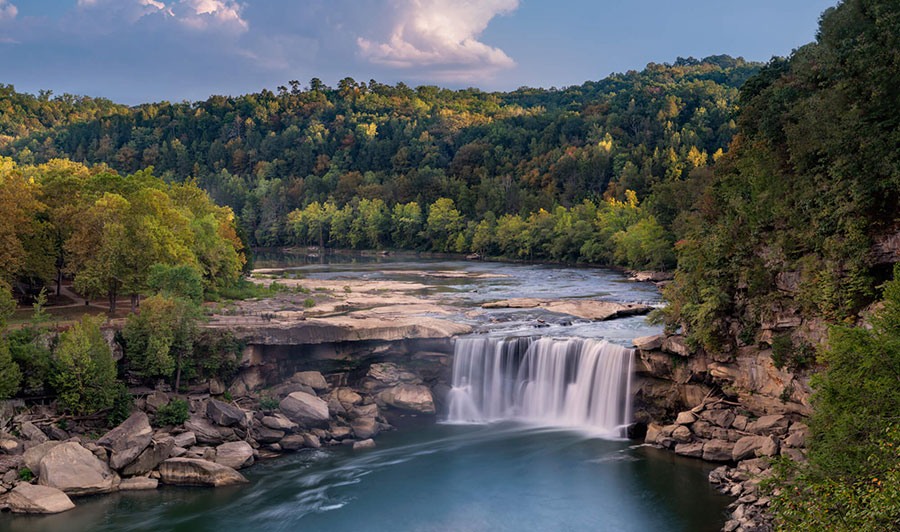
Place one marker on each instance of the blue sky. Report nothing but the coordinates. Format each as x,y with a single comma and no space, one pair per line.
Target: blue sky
134,51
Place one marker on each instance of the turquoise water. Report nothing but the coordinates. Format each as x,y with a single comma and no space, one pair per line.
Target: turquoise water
434,478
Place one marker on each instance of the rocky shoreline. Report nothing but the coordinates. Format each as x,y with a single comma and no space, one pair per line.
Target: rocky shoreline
43,466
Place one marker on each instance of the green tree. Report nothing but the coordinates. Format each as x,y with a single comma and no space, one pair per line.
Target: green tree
10,375
444,221
84,374
161,336
182,280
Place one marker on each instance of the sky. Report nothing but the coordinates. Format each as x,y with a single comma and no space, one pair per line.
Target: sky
135,51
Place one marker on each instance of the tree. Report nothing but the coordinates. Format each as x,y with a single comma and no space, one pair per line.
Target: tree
10,375
443,222
84,374
182,280
161,336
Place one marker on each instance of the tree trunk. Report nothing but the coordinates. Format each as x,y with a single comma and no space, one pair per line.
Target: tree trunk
134,303
58,282
113,292
178,374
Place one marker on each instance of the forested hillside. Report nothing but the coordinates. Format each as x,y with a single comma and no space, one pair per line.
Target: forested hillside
505,160
798,231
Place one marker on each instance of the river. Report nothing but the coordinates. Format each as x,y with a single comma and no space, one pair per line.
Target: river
440,477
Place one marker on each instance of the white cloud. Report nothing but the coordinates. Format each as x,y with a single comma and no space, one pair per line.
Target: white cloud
8,10
204,14
442,35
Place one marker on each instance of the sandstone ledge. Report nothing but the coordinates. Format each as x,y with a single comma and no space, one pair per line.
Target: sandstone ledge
580,308
343,329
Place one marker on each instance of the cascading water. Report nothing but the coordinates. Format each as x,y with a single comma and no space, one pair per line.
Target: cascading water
570,382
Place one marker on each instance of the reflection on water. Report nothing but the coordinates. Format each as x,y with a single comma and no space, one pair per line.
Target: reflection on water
434,478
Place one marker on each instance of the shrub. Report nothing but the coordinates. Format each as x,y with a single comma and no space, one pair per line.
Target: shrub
84,374
173,413
309,302
10,375
25,475
268,403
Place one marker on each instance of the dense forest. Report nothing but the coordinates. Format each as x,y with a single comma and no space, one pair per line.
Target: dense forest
289,162
798,220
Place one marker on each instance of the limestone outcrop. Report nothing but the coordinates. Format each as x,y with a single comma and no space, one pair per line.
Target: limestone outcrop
198,472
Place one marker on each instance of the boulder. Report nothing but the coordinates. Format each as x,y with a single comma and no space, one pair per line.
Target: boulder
364,444
156,400
694,450
370,410
11,463
198,472
128,440
752,446
773,424
279,422
313,379
653,433
717,450
682,434
723,417
35,499
152,456
264,434
305,409
235,454
185,439
676,345
223,413
311,440
340,432
364,427
34,454
411,397
10,446
30,431
386,373
346,396
138,483
56,433
294,442
203,430
649,343
797,436
76,471
685,418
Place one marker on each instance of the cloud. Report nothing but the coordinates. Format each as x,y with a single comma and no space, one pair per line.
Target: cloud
8,10
442,36
206,14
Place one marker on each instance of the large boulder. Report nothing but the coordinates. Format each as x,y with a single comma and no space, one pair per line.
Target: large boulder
204,431
198,472
234,454
694,450
153,455
127,441
305,409
772,424
76,471
649,343
35,499
313,379
753,446
223,413
411,397
34,454
717,450
293,442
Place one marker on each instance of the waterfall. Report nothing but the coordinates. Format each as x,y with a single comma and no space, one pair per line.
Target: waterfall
569,382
